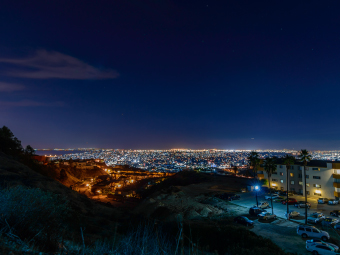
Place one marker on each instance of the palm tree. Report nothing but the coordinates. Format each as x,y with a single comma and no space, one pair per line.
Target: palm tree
270,167
288,160
235,169
254,161
305,157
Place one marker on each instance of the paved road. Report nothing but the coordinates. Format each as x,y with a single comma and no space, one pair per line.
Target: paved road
248,200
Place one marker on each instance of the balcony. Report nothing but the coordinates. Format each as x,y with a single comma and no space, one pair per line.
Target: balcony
336,185
336,176
336,194
336,165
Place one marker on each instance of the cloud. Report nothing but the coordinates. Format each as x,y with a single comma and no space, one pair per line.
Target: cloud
29,103
10,87
50,64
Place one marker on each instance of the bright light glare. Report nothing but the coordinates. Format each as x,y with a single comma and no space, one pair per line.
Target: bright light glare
256,187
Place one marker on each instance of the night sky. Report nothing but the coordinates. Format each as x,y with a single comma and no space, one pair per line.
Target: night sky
171,74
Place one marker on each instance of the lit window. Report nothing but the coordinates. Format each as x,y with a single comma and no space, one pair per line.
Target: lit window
291,175
300,183
292,182
281,181
281,173
316,185
307,184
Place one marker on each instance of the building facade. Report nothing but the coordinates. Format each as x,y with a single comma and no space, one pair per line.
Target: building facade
322,178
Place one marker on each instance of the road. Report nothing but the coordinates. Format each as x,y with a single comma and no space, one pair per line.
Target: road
248,200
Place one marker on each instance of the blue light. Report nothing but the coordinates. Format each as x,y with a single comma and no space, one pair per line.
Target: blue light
256,187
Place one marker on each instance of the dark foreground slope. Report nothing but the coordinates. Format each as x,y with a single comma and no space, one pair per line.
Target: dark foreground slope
97,220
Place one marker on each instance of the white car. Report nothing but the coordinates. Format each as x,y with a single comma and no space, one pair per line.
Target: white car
316,240
263,205
311,231
266,216
315,217
292,214
269,197
321,248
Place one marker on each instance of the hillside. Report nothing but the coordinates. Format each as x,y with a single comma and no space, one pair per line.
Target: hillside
98,220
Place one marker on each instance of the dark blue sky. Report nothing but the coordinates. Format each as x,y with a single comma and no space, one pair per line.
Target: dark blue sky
168,74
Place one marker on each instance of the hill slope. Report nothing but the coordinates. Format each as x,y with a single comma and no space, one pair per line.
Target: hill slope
98,218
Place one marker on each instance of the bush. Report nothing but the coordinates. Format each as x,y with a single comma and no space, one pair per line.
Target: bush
145,239
33,216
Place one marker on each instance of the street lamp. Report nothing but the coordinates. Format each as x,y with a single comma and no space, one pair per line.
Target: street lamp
256,189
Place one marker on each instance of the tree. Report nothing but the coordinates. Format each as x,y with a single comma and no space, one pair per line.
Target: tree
288,160
29,151
270,167
254,161
305,157
235,168
264,182
9,144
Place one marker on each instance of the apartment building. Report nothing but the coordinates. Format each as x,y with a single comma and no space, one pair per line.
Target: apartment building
322,178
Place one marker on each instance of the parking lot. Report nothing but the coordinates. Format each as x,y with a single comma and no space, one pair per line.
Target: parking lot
281,231
249,199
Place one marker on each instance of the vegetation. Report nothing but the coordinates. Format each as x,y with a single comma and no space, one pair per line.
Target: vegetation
183,178
30,217
305,157
270,167
288,160
254,161
235,169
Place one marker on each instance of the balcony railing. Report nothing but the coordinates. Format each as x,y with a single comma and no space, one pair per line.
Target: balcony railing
336,176
336,185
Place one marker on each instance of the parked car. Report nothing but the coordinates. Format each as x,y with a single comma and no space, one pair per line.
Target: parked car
243,220
318,214
263,205
266,216
302,204
278,199
291,201
272,196
311,231
254,211
317,240
321,248
284,193
330,221
315,218
335,213
333,202
323,200
292,214
337,225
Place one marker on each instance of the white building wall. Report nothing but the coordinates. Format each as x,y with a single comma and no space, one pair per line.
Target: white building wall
326,180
